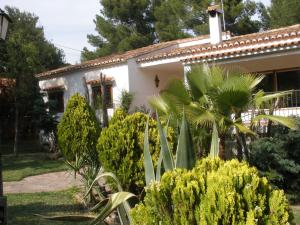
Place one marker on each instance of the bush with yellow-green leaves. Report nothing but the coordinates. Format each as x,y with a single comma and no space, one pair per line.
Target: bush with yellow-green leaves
214,192
78,129
120,149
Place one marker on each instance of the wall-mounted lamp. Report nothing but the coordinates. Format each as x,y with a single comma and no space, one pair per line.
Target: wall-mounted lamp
156,81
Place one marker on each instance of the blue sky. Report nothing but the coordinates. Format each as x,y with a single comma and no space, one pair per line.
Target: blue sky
66,22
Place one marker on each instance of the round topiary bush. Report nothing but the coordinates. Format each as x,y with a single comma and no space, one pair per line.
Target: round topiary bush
120,148
214,192
78,129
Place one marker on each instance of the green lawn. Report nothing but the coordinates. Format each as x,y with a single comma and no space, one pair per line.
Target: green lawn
22,207
296,210
16,168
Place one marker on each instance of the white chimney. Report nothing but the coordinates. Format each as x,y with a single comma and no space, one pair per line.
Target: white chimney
215,26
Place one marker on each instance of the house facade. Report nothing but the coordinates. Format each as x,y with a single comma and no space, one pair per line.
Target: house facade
147,71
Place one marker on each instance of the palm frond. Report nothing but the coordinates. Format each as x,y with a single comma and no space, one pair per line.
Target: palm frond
285,121
261,98
244,129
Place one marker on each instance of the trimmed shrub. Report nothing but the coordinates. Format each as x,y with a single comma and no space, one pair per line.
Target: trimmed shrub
214,192
118,116
120,148
78,129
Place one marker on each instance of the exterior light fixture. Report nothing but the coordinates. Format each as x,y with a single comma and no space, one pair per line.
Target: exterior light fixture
156,81
4,20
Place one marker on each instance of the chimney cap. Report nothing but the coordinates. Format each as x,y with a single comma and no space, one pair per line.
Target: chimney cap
214,8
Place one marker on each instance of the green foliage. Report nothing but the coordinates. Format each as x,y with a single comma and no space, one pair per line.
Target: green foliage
126,25
126,100
120,148
119,115
122,26
78,129
214,192
211,96
24,53
185,154
103,208
281,13
278,158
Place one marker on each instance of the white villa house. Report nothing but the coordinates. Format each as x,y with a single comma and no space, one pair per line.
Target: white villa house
147,71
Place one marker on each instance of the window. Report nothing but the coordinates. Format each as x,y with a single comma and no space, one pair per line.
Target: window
96,92
56,99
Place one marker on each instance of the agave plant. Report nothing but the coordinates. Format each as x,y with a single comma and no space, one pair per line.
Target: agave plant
214,98
104,208
185,154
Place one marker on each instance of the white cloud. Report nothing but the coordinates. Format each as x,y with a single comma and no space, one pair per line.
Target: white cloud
65,22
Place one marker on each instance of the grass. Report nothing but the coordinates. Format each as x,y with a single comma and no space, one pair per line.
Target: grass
17,168
25,146
22,207
296,211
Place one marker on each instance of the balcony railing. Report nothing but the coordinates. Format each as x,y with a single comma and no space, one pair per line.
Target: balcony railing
288,105
290,100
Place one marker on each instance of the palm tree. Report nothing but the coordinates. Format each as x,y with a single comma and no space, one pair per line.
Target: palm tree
215,98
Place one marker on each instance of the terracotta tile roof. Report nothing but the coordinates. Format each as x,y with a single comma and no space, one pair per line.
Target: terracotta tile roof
244,44
286,36
97,81
54,88
117,58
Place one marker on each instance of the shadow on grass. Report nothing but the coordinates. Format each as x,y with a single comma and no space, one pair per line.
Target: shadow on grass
23,212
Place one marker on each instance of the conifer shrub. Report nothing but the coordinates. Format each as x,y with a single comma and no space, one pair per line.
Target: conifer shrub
78,130
214,192
120,149
119,115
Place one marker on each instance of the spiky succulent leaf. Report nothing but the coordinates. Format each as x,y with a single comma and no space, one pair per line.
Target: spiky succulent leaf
185,154
114,201
70,218
148,164
166,152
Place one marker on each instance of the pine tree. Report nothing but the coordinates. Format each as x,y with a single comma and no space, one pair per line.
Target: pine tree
282,13
123,25
130,24
24,53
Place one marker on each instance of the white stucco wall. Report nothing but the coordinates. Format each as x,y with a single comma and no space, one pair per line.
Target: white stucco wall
142,85
73,82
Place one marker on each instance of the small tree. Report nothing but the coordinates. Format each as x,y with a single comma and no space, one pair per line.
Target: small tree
126,100
78,129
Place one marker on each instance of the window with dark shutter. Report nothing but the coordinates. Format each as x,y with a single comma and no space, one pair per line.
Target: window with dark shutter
56,100
97,94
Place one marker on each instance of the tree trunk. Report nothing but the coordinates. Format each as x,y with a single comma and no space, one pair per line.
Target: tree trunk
104,105
246,150
242,151
239,147
222,147
1,179
16,139
86,91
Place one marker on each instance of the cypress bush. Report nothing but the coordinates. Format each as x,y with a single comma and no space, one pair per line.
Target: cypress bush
214,192
119,115
78,129
120,149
